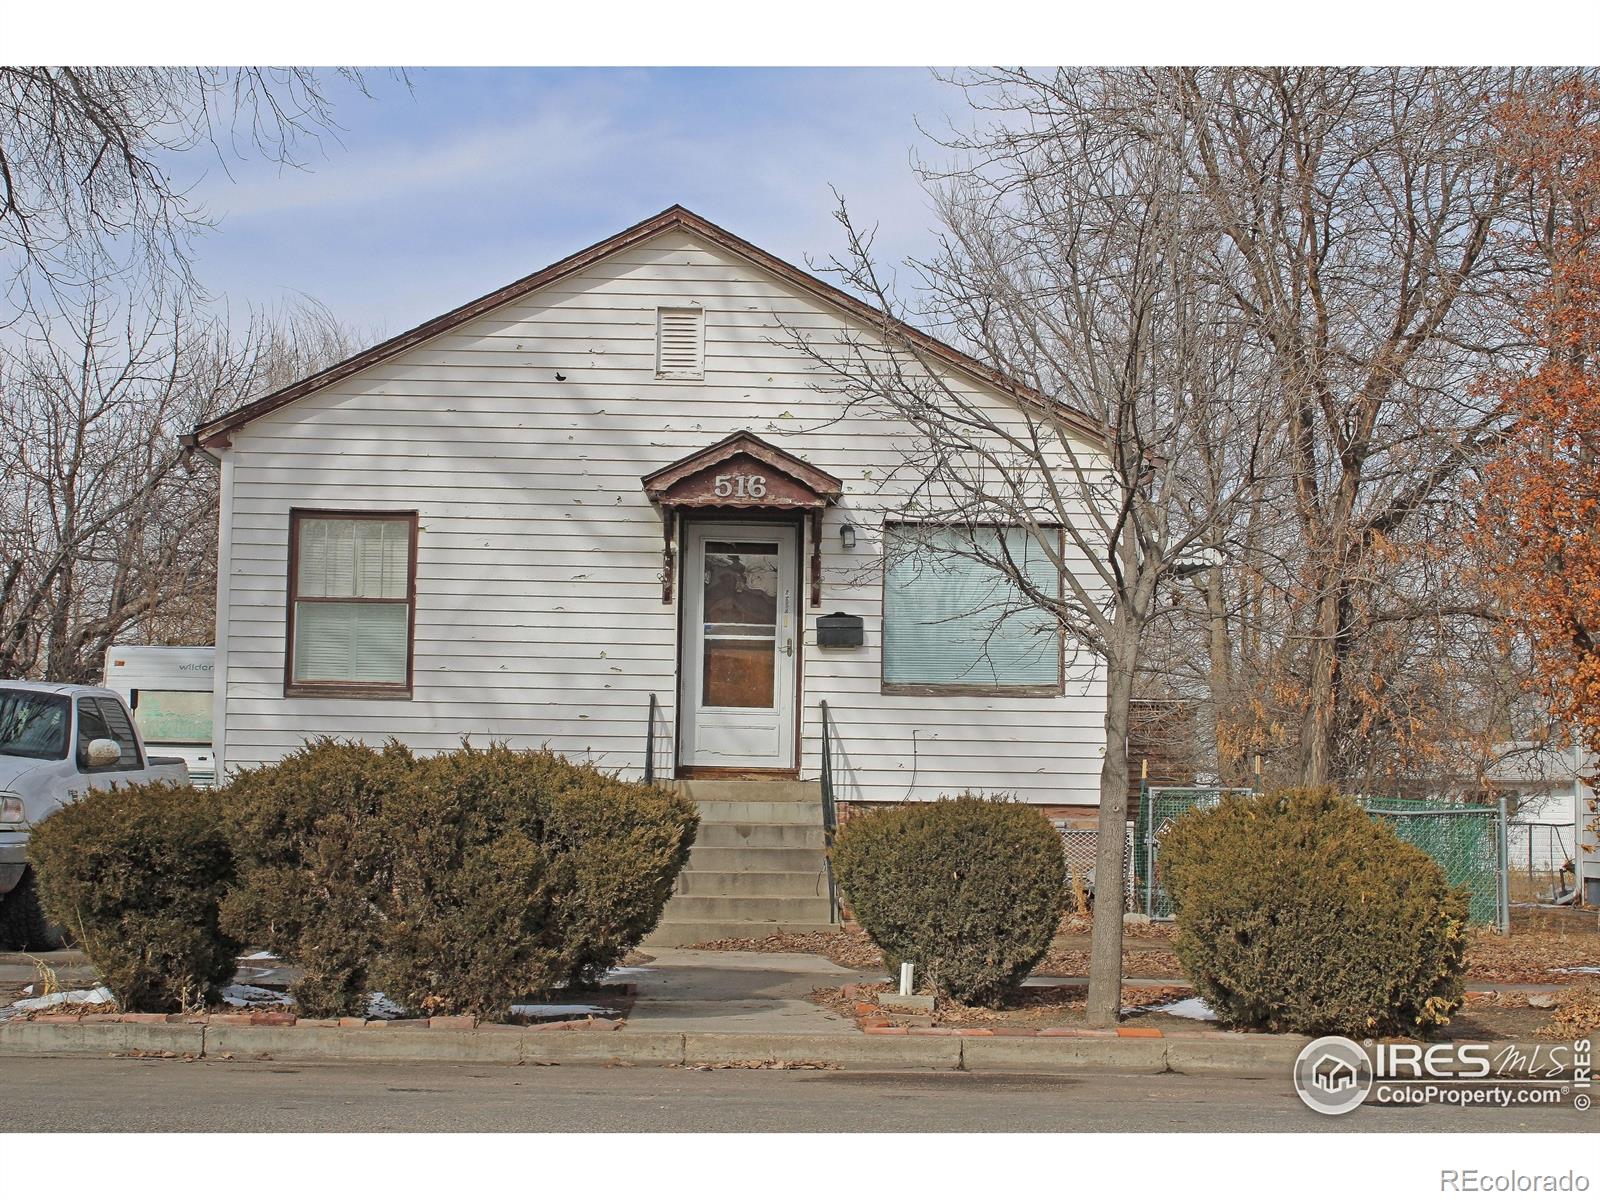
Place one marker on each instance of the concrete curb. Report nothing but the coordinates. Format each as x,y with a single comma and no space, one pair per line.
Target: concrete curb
1250,1056
38,1037
514,1045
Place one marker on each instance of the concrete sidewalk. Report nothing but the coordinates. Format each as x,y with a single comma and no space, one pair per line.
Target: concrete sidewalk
714,991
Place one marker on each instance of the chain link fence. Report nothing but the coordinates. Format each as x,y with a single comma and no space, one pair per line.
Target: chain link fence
1080,849
1466,840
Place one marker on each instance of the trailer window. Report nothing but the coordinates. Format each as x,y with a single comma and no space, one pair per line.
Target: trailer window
173,718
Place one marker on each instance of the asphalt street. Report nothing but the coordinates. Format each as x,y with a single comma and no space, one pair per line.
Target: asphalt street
156,1095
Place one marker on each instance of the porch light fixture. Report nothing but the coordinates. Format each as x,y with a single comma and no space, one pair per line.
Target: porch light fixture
847,536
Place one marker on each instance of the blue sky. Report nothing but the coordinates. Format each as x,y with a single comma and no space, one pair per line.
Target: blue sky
478,176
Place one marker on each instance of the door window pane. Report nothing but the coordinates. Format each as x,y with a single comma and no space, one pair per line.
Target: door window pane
740,636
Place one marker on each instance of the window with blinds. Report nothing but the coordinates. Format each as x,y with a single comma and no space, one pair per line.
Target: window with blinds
952,622
680,343
350,600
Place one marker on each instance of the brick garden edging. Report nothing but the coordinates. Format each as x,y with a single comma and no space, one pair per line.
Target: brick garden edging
279,1018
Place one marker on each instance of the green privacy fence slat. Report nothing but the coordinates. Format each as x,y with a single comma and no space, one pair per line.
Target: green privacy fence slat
1466,840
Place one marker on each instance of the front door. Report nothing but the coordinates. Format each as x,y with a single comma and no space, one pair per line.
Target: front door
740,626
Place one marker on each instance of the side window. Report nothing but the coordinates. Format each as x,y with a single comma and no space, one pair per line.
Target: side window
105,719
91,725
122,733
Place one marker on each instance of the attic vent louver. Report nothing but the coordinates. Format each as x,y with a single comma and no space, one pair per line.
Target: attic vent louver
680,343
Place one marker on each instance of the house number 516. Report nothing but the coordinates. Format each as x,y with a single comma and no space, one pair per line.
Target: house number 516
751,487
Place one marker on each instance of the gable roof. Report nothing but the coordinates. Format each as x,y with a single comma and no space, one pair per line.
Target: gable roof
214,433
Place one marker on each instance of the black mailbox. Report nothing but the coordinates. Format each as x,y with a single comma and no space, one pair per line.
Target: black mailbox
840,629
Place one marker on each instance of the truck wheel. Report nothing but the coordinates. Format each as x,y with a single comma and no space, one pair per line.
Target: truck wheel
23,925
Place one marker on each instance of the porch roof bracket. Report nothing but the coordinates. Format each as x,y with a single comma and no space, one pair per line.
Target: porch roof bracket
669,550
816,557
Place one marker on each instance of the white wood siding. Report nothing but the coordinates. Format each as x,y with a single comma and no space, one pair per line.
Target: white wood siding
539,616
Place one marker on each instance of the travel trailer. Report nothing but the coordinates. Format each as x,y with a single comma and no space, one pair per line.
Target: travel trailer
168,690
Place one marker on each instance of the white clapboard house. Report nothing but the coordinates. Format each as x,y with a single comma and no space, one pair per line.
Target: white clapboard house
603,510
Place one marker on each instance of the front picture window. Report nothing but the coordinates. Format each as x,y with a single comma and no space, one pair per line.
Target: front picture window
953,620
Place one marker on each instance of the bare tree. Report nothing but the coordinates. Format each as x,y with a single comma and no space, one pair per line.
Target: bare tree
85,156
106,531
1364,207
1075,261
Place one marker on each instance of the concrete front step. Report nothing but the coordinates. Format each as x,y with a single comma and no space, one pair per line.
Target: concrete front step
692,933
772,791
753,858
754,883
748,908
756,835
757,867
764,812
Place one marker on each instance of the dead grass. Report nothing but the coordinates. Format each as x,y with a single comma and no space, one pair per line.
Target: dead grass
1032,1008
1069,955
48,979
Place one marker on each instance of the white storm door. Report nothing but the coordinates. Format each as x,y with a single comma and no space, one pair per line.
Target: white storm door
738,647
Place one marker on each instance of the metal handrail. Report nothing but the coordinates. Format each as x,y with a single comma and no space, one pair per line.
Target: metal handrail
830,817
650,742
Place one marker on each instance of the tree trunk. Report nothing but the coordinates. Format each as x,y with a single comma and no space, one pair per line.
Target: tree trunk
1105,942
1230,757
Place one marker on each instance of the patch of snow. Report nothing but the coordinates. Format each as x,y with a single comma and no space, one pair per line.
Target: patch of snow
1578,970
381,1008
1193,1007
561,1010
99,995
626,973
247,995
28,991
257,954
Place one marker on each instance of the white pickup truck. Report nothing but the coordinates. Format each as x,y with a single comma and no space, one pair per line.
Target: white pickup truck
56,742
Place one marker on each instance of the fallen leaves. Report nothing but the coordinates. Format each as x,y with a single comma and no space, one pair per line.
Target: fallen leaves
1577,1014
1531,955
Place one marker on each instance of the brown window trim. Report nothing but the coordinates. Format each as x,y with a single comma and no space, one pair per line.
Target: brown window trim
990,690
351,690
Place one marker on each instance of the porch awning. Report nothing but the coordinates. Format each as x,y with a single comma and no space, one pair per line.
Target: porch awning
742,471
